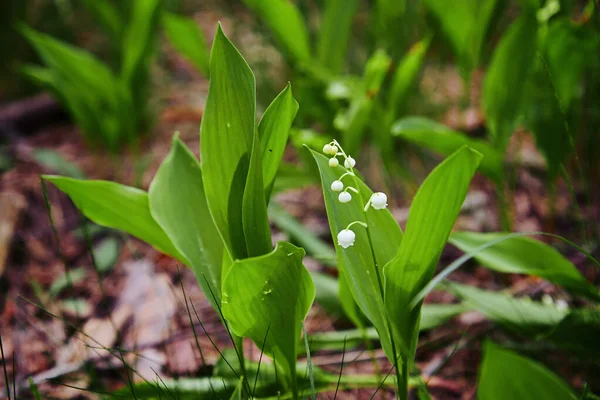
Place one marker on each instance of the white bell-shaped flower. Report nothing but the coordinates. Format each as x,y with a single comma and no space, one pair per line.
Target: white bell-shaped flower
349,162
561,304
330,149
379,201
327,149
333,162
346,238
337,186
344,197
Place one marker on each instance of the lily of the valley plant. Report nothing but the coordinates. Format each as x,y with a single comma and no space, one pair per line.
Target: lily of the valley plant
212,216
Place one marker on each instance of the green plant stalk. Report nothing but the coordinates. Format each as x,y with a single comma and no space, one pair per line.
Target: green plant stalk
399,380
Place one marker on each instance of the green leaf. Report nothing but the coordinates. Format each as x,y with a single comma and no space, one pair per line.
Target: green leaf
257,231
360,269
507,375
405,77
465,23
326,294
273,132
445,141
432,215
301,235
227,133
287,24
520,315
354,121
266,298
185,35
57,163
178,204
523,255
504,82
117,206
432,316
334,33
106,254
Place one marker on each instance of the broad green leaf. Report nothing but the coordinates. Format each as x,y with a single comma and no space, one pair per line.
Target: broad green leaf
178,204
266,298
520,315
273,131
523,255
334,33
106,254
227,133
287,24
257,231
347,302
360,269
432,215
405,77
117,206
443,140
508,375
185,35
504,82
465,23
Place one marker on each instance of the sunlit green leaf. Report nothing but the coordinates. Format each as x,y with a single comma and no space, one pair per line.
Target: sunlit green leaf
227,132
523,255
117,206
505,78
507,375
266,298
178,204
432,215
185,35
273,132
443,140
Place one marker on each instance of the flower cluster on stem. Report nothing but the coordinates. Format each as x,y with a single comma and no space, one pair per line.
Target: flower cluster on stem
378,201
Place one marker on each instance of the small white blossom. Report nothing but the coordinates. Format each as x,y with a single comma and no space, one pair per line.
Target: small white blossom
337,186
562,305
547,300
349,162
333,162
344,197
327,149
346,238
379,201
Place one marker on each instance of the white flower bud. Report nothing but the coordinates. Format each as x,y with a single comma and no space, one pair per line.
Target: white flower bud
337,186
562,305
333,162
333,148
379,201
547,300
327,149
349,162
344,197
346,238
